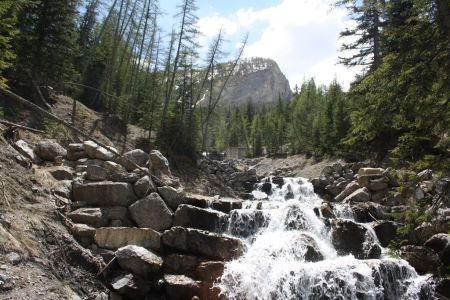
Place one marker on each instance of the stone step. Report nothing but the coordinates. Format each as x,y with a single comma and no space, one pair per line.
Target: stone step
99,216
116,237
203,243
224,205
200,218
104,193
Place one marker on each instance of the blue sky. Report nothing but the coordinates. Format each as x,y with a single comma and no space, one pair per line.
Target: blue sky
302,36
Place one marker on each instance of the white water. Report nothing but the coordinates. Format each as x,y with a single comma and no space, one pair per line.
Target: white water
274,265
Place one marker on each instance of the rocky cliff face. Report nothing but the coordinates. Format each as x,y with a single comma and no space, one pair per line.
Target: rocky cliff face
259,80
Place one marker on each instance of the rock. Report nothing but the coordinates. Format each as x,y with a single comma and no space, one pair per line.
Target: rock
116,237
426,174
113,168
419,193
27,151
14,258
349,237
96,173
370,172
278,181
130,286
151,212
97,152
360,195
180,264
333,189
159,163
173,197
138,157
61,172
199,218
443,289
377,186
125,177
424,260
327,211
138,260
49,150
440,243
306,248
63,188
295,218
90,147
104,193
76,152
365,212
89,216
100,296
327,171
320,183
198,200
83,231
210,271
6,282
386,231
144,186
246,222
226,205
266,187
180,287
349,189
203,243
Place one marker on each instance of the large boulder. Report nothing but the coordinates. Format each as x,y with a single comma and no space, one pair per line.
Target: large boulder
360,195
151,212
116,237
180,287
104,193
423,259
144,186
173,197
199,218
386,231
349,189
27,151
139,260
440,243
365,212
138,157
349,237
203,243
49,150
159,164
226,205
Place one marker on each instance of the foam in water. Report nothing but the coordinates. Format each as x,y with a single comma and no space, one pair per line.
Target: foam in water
277,232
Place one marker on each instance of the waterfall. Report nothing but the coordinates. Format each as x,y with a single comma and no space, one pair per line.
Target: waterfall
290,254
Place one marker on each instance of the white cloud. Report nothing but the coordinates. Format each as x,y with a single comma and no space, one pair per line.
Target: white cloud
302,36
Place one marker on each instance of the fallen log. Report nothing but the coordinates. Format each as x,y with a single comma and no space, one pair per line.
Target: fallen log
14,125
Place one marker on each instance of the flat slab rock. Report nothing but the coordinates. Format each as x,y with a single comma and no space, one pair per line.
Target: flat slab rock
104,193
116,237
203,243
200,218
138,260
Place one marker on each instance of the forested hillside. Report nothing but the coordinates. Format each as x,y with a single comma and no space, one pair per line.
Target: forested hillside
114,57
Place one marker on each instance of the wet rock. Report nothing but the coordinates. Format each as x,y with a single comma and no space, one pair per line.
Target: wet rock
349,189
130,286
327,211
27,151
386,231
278,181
266,187
116,237
49,150
173,197
246,222
203,243
180,287
180,264
360,195
295,219
104,193
96,173
440,243
139,260
307,248
226,205
159,163
349,237
320,183
144,186
14,258
199,218
443,288
151,212
210,271
424,260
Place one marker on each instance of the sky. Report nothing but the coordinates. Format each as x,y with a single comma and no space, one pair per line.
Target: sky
302,36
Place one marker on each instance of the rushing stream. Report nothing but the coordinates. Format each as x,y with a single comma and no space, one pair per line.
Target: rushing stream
279,264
